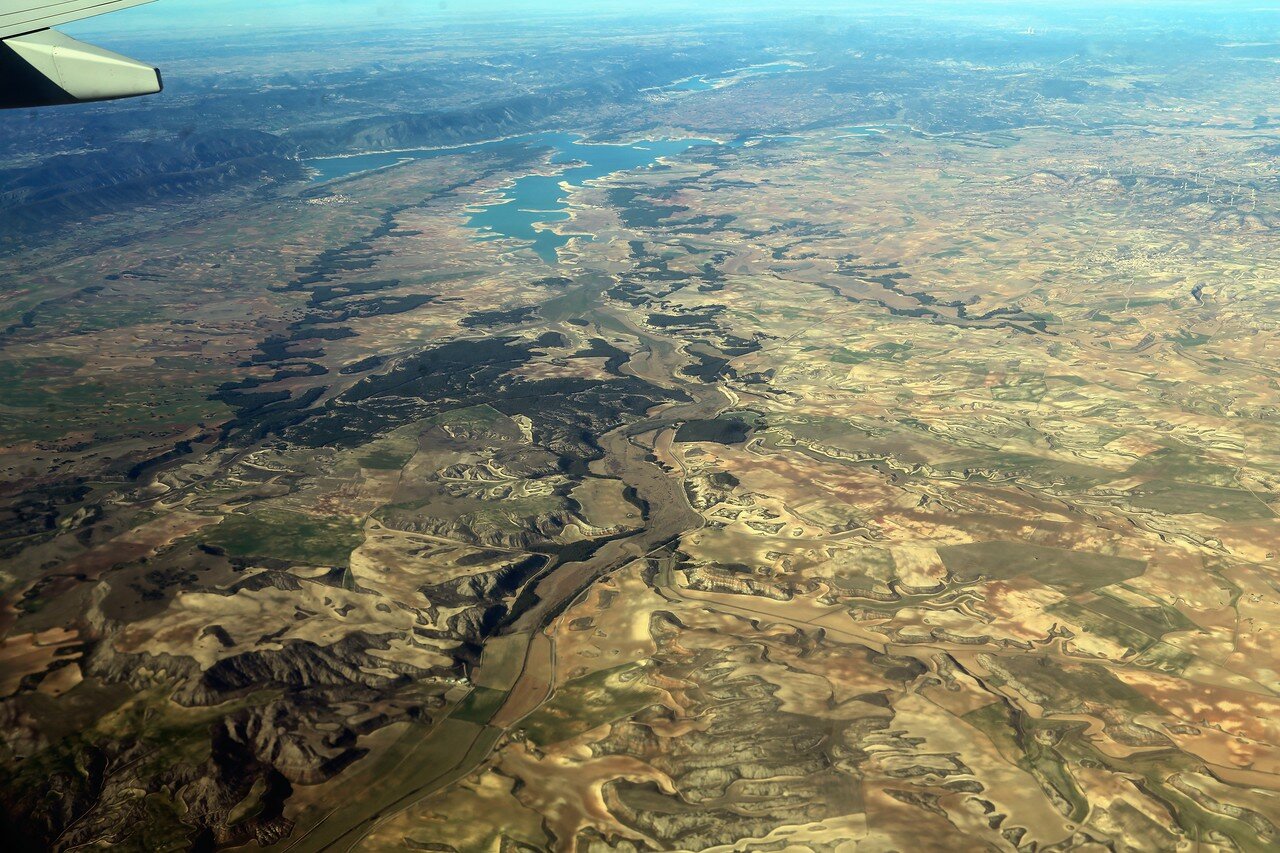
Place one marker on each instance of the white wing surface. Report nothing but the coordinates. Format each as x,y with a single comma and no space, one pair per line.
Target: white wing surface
42,67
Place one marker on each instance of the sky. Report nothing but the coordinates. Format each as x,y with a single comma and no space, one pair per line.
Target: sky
211,16
228,14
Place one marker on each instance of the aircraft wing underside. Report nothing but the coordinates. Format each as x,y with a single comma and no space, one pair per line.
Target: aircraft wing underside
43,67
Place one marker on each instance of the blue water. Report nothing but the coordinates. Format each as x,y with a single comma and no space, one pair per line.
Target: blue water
534,200
693,84
874,129
522,210
702,84
329,168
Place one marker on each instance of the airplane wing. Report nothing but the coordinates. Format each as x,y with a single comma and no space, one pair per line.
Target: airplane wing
42,67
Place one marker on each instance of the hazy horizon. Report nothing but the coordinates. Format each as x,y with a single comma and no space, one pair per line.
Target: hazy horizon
184,16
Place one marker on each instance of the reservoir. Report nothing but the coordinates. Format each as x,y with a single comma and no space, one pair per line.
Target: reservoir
874,130
534,200
522,210
702,84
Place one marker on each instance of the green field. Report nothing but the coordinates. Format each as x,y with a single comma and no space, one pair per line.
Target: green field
1069,571
590,701
287,536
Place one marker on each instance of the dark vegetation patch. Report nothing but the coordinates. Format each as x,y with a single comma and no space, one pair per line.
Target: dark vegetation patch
701,319
479,558
568,414
330,292
36,512
641,208
489,319
255,422
600,348
722,430
371,363
725,480
708,366
174,453
552,340
377,306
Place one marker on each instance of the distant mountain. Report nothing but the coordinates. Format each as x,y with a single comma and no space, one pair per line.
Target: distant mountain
69,187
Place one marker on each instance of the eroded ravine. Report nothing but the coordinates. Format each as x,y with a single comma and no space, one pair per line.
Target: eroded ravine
521,660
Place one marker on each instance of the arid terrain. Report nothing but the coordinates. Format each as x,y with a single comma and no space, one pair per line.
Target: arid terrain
894,469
